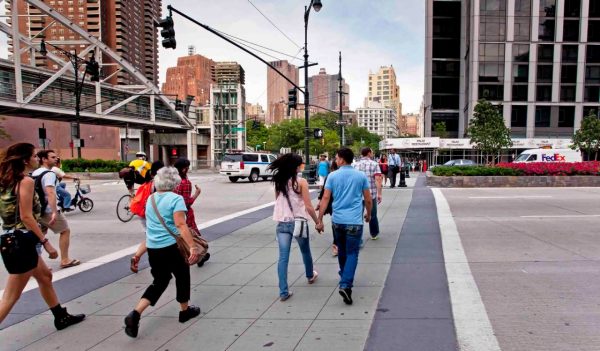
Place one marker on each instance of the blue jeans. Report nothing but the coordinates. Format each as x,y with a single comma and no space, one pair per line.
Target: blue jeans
347,238
284,238
63,195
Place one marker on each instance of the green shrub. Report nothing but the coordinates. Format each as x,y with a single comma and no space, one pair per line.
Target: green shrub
98,165
447,171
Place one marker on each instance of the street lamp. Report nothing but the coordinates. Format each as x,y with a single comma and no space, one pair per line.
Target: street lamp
317,5
92,68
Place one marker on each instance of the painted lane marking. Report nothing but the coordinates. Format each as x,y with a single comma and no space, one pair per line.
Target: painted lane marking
560,216
96,262
512,197
474,331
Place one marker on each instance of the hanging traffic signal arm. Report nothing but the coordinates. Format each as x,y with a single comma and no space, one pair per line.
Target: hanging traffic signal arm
168,32
172,9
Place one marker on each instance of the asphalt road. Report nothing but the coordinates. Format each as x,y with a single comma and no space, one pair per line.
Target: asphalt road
100,232
534,254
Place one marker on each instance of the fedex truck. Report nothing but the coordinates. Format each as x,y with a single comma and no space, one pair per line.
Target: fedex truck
549,155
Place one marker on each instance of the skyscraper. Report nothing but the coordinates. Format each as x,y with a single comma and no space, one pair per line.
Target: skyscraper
383,88
193,76
323,92
126,27
539,59
277,90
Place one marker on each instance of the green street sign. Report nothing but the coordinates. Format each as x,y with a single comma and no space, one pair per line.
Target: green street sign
238,129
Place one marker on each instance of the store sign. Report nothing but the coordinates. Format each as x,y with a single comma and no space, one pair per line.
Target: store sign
535,143
455,144
410,143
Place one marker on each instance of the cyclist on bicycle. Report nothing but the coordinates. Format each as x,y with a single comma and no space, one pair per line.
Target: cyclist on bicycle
139,172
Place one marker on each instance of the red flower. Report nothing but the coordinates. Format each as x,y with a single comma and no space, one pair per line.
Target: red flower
555,168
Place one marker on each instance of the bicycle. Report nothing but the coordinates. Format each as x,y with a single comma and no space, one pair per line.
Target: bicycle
84,203
123,211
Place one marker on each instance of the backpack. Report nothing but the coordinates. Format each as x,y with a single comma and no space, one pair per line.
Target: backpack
138,203
39,189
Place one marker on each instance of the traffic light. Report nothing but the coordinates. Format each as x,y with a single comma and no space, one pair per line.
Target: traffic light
292,98
318,133
93,69
178,105
168,33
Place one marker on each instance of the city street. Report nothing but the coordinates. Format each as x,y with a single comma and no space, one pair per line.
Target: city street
100,232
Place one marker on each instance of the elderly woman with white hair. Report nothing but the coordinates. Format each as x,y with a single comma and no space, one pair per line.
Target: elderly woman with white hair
163,254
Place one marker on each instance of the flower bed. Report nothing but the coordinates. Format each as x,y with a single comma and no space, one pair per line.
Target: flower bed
554,168
83,165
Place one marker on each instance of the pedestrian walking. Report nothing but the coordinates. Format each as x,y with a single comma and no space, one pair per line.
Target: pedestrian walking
394,164
349,188
329,210
52,218
164,256
371,169
22,239
323,170
383,166
291,211
143,193
185,190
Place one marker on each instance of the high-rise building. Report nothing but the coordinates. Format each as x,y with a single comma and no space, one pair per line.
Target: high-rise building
277,90
378,119
538,59
255,112
323,92
192,76
228,72
383,88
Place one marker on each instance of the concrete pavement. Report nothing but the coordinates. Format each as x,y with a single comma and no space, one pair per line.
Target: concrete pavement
237,291
467,269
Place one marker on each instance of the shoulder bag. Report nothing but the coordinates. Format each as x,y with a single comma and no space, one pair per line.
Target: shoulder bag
300,223
199,242
18,247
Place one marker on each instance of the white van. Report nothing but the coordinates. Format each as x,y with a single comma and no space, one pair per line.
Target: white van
251,165
549,155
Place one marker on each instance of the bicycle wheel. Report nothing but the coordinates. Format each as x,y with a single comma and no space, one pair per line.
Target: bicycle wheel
123,211
86,204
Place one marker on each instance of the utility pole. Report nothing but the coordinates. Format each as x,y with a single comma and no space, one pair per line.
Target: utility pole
341,116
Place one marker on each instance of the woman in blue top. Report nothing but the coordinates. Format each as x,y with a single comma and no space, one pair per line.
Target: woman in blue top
163,254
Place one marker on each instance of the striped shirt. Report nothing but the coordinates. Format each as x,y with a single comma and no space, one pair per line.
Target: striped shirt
370,168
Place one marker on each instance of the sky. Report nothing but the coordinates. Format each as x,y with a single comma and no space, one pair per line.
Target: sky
369,34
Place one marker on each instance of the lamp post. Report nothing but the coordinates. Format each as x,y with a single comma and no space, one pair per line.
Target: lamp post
316,4
93,69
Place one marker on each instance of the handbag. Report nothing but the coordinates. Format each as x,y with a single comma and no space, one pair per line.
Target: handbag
300,223
18,247
199,242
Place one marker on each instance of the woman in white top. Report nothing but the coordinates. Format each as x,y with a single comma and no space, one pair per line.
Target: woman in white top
292,201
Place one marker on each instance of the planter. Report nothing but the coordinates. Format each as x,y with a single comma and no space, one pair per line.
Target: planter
511,181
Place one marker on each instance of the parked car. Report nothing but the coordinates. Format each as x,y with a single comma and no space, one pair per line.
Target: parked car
460,162
242,165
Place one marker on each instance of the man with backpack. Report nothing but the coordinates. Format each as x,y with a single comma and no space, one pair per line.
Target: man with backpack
51,218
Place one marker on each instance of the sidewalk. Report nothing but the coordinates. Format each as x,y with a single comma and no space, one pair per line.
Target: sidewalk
237,292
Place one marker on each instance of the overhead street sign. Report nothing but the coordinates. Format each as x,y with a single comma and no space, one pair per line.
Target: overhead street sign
341,123
238,129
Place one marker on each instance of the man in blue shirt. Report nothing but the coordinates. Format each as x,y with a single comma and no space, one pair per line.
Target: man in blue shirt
349,188
394,164
323,170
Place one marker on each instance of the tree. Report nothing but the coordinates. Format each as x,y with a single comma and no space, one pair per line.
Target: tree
256,133
487,129
3,133
440,130
359,137
587,138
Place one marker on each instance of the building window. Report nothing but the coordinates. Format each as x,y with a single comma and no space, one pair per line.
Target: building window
491,92
592,94
542,116
544,74
567,93
571,30
593,54
519,92
518,116
572,8
545,53
592,75
594,31
594,9
569,53
566,116
520,73
568,74
544,93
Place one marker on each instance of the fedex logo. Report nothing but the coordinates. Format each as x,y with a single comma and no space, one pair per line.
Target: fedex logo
553,158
